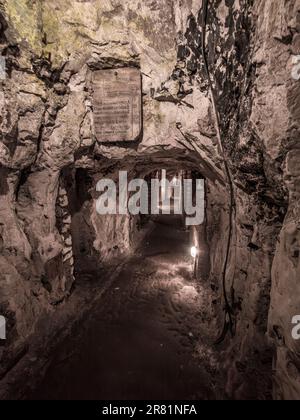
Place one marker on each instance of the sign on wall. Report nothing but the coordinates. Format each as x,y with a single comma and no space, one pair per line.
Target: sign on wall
117,103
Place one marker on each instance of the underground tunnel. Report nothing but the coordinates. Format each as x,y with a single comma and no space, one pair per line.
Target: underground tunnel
149,201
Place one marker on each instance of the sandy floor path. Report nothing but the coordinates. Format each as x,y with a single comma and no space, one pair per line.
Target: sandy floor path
139,341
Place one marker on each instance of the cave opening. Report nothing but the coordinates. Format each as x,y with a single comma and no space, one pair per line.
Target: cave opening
160,300
90,244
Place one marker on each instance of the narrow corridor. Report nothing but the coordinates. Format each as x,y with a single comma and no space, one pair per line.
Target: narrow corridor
140,340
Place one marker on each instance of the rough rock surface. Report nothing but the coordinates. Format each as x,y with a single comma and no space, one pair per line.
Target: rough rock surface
50,160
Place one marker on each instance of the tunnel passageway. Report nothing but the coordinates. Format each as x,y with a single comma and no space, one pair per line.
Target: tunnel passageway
139,341
112,112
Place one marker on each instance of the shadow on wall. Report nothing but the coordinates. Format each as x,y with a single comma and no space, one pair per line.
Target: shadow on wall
74,208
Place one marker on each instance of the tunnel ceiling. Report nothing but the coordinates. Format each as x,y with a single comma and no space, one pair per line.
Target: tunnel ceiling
57,97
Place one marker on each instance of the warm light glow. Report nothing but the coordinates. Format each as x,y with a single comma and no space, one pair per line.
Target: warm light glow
194,251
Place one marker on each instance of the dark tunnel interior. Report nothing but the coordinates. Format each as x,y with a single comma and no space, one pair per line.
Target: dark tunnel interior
149,202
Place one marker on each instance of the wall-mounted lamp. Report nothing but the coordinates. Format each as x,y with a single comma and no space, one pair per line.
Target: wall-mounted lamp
194,254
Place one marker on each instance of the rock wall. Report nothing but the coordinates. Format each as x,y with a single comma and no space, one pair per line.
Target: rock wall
250,53
51,50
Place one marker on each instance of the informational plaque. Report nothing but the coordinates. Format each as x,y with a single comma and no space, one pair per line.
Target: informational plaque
117,103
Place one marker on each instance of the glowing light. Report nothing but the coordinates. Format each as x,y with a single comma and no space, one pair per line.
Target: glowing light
194,251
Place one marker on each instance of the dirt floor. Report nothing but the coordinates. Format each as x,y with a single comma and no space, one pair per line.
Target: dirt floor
145,338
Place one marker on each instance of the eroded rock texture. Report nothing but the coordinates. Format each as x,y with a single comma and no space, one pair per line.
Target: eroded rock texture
50,159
